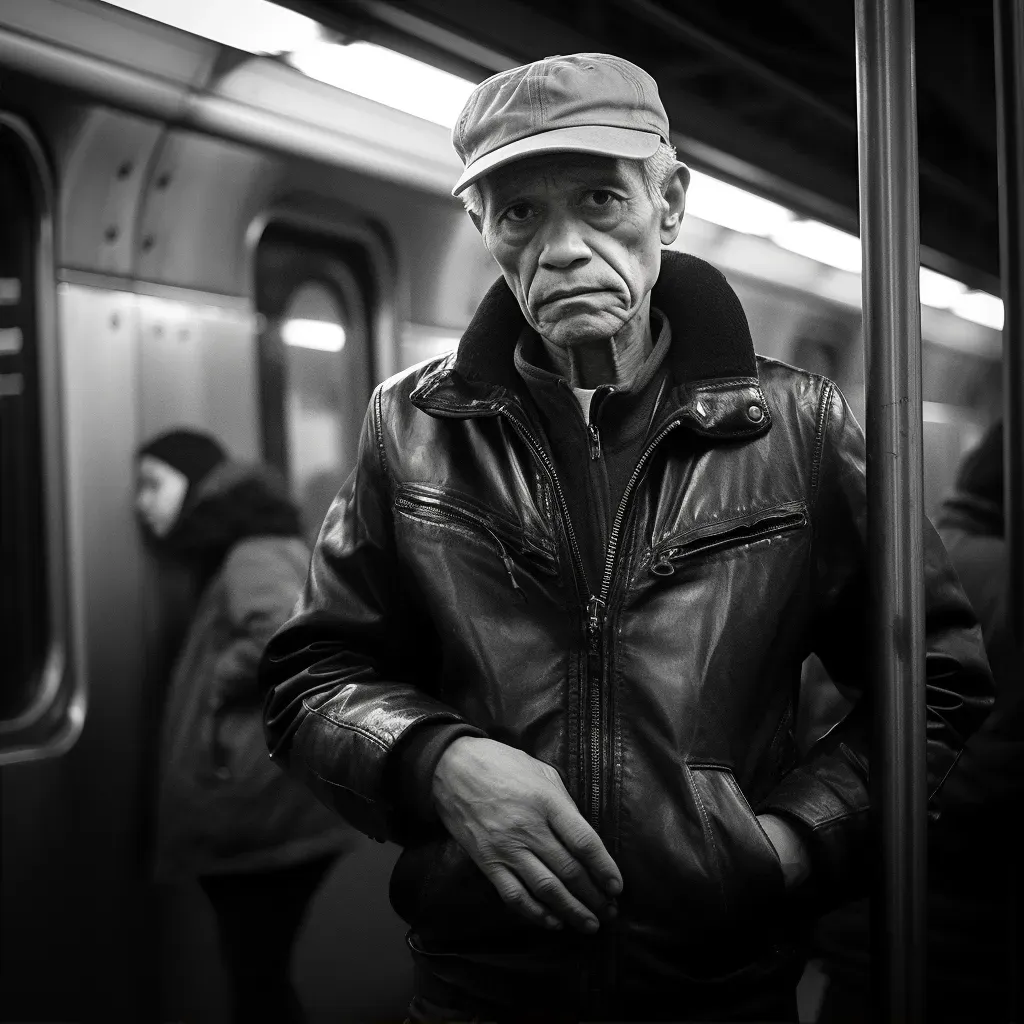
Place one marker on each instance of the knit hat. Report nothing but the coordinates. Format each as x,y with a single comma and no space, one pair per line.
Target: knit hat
190,452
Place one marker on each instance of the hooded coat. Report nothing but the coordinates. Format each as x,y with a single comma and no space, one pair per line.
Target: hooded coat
972,851
223,806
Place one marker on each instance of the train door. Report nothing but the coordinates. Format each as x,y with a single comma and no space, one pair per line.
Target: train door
319,299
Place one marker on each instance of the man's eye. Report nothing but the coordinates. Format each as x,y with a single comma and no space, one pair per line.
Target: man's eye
519,213
600,197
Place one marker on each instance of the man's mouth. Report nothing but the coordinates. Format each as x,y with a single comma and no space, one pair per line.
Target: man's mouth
569,293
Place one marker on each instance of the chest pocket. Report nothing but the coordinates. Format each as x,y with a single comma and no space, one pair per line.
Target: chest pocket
724,535
438,507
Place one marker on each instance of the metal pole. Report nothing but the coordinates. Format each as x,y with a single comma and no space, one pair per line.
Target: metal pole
1009,22
887,111
1009,43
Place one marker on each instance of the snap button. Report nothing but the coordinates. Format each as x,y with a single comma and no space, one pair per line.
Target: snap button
755,412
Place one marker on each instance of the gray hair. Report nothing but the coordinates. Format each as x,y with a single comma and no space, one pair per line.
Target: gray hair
655,170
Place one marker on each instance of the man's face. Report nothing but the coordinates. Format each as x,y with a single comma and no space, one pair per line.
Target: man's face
578,240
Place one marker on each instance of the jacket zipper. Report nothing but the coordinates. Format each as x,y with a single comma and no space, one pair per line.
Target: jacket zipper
524,432
595,629
596,604
463,518
581,573
771,522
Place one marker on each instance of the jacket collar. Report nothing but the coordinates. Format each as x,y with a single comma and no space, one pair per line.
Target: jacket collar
712,367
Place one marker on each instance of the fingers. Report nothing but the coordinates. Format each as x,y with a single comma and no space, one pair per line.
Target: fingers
585,845
548,889
575,878
515,895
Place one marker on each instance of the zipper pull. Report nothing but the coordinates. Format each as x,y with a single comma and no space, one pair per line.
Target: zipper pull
595,440
595,610
663,567
507,562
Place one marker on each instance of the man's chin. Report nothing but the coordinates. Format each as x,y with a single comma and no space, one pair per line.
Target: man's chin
581,329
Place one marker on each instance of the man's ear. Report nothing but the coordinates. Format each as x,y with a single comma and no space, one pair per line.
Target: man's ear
674,194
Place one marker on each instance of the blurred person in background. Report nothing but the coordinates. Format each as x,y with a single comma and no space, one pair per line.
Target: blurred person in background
974,912
258,844
973,885
972,527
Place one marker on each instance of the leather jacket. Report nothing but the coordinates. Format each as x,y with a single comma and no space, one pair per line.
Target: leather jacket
447,585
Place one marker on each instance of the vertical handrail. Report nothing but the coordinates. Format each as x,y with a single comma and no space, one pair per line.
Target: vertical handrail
887,130
1009,53
1009,25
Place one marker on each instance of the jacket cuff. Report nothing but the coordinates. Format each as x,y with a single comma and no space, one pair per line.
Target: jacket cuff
834,825
412,777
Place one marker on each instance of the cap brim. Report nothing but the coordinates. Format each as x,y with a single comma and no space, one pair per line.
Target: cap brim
602,140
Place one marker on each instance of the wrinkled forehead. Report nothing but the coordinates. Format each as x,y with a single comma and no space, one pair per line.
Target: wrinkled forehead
554,172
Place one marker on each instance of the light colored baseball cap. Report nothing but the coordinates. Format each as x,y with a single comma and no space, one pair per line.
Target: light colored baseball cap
580,103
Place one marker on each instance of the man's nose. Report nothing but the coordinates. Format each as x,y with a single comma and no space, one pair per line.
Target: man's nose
562,243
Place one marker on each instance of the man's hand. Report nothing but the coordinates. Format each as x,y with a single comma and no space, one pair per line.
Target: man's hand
512,815
796,864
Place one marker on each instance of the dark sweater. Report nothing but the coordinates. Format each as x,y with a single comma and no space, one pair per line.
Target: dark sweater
594,465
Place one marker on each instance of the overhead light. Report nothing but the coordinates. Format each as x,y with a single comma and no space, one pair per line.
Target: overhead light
730,207
820,242
940,291
256,26
980,307
315,334
403,83
387,77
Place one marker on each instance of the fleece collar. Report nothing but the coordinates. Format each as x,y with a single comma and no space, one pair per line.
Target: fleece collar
713,379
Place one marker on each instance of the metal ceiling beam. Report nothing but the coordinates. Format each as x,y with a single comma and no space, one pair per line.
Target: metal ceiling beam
677,26
780,86
738,120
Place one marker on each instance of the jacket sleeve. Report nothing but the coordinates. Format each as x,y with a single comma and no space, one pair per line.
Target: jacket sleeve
261,586
988,780
344,680
826,795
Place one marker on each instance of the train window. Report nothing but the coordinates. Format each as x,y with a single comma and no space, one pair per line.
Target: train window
315,295
31,552
24,601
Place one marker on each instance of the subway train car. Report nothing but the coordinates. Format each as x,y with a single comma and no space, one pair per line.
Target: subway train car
194,231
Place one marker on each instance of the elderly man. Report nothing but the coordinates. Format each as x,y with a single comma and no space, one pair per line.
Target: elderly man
553,629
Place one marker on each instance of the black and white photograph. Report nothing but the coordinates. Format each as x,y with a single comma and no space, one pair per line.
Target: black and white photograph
511,511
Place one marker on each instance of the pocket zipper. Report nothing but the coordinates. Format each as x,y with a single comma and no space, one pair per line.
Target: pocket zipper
758,527
438,514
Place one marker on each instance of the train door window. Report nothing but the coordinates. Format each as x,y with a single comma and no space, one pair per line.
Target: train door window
31,609
315,295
